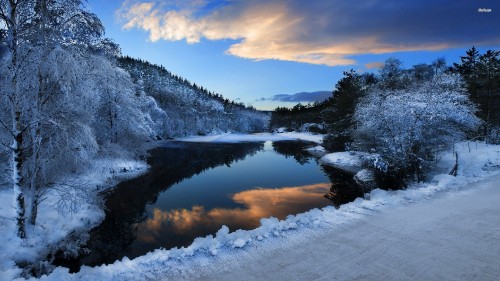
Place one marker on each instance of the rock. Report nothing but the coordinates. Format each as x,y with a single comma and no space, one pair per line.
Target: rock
365,179
349,161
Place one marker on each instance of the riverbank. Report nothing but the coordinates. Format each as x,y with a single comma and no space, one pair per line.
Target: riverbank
64,217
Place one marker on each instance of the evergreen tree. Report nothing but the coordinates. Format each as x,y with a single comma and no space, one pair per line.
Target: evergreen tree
482,77
338,115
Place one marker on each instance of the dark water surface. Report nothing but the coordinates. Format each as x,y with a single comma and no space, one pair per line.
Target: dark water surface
192,189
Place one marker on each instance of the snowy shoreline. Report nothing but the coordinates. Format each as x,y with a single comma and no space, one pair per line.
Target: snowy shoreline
54,231
483,162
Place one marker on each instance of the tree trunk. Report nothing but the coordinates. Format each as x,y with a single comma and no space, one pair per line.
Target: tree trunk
18,178
454,170
21,221
10,12
36,147
34,210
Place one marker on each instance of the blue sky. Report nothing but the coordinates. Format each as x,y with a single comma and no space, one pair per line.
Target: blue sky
251,51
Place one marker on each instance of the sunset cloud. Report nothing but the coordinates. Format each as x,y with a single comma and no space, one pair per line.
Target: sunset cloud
316,31
258,203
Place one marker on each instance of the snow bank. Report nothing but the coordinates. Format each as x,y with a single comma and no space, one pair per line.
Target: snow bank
483,161
348,161
232,138
57,227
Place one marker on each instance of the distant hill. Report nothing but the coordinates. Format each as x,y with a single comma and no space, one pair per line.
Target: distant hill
190,108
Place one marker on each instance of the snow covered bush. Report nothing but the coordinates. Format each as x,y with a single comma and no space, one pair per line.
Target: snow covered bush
408,127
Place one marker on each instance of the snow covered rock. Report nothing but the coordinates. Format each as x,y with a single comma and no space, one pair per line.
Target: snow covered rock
365,179
317,151
349,161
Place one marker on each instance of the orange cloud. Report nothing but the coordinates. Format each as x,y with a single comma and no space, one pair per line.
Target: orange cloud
259,203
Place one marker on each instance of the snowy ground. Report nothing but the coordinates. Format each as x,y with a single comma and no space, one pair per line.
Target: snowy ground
55,223
446,229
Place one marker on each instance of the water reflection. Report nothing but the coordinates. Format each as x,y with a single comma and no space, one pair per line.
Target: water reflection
126,204
343,187
293,149
258,203
170,206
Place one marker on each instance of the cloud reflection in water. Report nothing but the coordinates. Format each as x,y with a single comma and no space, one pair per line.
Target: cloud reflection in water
258,203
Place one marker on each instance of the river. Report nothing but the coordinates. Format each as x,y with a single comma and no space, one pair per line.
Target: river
192,189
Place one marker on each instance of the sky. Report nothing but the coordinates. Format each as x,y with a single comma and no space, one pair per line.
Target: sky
268,53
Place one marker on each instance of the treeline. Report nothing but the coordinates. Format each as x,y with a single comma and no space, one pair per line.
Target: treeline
67,98
407,116
298,117
481,74
330,115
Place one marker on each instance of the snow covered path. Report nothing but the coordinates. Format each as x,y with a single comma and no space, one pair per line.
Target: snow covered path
455,236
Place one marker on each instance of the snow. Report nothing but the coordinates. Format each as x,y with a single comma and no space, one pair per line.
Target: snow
281,130
55,226
318,151
232,138
373,236
364,175
366,179
349,161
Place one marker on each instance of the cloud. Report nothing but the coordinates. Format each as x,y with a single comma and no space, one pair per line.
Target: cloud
258,203
302,97
316,31
375,64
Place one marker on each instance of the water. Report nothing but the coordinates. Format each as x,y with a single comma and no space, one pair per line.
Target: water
192,189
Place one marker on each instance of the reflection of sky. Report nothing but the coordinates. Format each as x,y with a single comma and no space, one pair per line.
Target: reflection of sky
258,203
212,188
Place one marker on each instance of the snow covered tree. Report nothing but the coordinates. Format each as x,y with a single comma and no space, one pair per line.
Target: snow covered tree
126,116
391,75
409,126
49,100
62,139
14,16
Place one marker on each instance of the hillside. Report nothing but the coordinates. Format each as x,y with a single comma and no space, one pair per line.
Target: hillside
191,109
